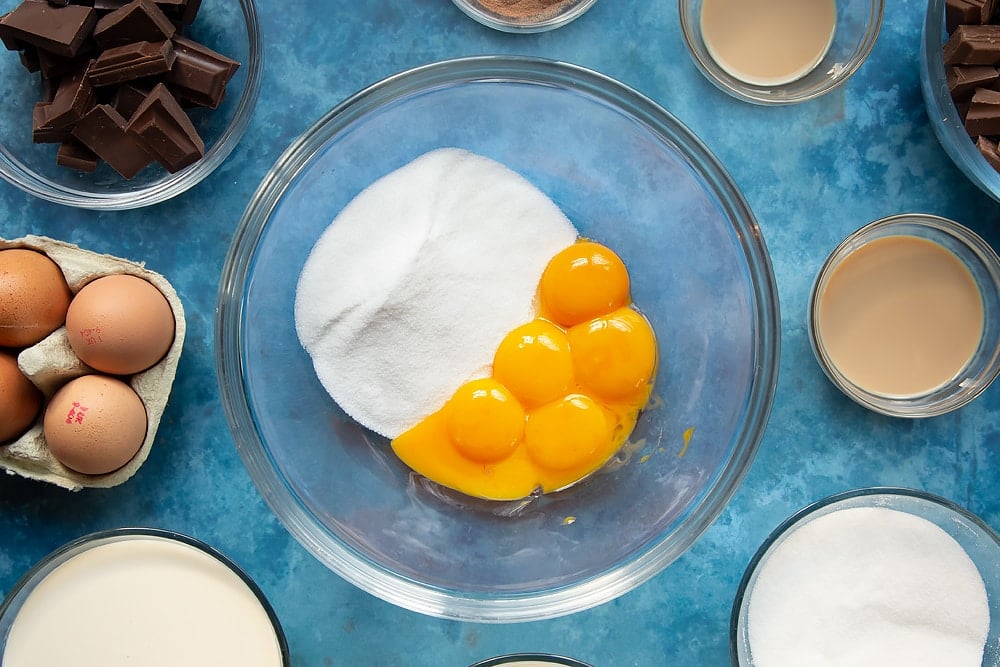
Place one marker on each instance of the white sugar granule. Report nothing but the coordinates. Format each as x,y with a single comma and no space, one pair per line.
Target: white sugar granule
409,291
868,586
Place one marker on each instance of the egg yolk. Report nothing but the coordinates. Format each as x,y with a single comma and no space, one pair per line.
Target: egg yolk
564,393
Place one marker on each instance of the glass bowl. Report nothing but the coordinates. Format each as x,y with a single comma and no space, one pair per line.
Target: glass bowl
530,660
980,542
557,16
231,28
857,28
984,364
629,175
945,119
189,576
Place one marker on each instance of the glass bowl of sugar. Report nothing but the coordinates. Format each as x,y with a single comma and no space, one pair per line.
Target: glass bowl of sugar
393,233
905,315
776,52
890,572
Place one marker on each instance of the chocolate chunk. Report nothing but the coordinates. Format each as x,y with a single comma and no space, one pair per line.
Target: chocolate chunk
988,148
127,99
961,12
963,80
988,11
131,61
166,131
973,45
29,59
61,30
41,131
75,155
73,98
138,21
983,117
199,74
102,130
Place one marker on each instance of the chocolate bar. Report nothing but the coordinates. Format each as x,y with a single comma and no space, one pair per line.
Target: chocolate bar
973,45
102,130
983,117
164,129
75,155
138,21
963,80
59,30
131,61
199,74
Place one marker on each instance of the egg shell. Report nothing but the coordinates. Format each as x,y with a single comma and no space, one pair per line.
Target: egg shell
34,297
94,424
20,400
51,363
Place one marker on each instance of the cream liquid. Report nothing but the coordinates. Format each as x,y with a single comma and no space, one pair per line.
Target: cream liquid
768,42
145,601
900,316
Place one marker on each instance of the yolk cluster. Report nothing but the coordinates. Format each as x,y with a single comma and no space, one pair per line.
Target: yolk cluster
564,393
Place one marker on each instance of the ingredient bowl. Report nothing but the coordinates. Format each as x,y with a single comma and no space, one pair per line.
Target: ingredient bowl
857,25
628,174
229,28
524,17
917,571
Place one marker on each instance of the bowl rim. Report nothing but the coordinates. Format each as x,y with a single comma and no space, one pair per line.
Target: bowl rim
936,402
945,119
809,510
62,554
404,591
490,20
34,184
767,95
551,658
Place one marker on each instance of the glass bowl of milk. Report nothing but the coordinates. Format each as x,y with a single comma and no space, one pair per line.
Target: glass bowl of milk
139,596
779,51
905,315
876,575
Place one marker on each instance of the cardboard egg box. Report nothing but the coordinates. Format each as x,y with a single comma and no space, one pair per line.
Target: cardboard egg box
51,363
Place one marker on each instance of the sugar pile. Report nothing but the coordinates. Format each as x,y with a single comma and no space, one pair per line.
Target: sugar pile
409,291
868,586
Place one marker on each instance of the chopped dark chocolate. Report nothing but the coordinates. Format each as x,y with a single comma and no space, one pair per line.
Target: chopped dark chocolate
75,155
102,130
60,30
138,21
963,80
73,98
127,99
132,61
973,45
961,12
988,148
41,131
983,117
987,11
165,130
199,74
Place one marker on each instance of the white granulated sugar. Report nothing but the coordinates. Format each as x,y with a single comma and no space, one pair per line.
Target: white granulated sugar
407,294
868,586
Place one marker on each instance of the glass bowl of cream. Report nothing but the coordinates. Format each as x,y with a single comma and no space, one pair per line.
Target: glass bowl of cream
775,52
524,16
877,571
133,596
627,174
905,315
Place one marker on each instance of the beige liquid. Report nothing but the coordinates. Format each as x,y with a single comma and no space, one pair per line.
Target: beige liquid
145,602
768,42
900,316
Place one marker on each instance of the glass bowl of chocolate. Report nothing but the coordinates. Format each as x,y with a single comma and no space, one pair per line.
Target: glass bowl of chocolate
444,199
959,59
775,52
119,104
524,15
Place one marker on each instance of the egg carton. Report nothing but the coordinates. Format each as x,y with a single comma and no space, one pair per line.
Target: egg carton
51,363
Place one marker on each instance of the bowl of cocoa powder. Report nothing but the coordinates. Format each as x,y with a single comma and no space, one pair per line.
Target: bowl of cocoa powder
524,15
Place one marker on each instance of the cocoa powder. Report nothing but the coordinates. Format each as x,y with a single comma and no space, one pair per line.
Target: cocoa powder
528,10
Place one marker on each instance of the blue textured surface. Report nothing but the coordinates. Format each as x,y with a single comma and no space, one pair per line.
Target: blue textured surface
812,173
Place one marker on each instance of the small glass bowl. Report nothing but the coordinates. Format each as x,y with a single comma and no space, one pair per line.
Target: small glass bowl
529,660
559,15
231,28
980,542
945,120
23,589
984,265
858,25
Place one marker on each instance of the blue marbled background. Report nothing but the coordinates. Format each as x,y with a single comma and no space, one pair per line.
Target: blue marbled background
812,173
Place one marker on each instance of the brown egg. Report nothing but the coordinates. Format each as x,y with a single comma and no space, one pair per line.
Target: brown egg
120,324
34,297
20,400
95,424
